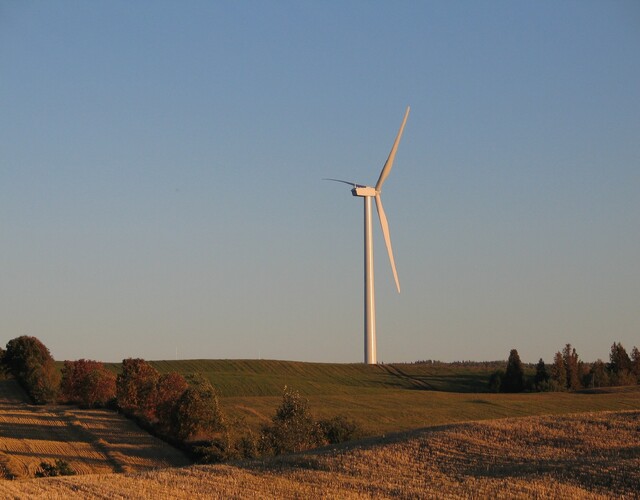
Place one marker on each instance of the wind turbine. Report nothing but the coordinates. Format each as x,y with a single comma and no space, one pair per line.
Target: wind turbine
367,192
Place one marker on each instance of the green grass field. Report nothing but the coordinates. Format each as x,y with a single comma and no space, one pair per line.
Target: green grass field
385,398
267,377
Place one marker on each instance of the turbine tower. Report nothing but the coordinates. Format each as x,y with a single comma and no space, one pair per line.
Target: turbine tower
367,193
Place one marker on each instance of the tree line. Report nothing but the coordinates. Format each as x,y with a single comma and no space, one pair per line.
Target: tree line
184,411
568,372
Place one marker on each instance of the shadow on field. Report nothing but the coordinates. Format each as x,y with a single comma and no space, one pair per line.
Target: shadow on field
437,381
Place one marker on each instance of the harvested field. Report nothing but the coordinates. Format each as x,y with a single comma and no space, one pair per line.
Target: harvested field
91,441
589,455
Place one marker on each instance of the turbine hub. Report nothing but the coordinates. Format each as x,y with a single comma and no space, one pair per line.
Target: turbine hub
363,191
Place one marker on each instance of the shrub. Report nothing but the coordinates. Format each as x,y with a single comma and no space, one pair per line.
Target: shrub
338,429
495,381
213,452
197,412
292,428
59,468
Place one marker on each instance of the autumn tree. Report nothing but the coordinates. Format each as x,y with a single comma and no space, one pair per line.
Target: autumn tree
31,363
43,382
99,388
558,373
87,383
571,367
635,363
136,388
513,380
197,412
169,389
72,372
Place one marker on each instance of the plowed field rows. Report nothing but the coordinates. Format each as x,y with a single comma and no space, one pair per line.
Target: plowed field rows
592,455
91,441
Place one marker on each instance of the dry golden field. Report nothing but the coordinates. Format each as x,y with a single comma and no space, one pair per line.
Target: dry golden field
91,441
588,455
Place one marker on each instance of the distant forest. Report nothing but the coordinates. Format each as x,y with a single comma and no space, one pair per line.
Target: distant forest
567,372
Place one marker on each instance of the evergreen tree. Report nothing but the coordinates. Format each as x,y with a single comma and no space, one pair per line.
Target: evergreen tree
620,366
541,379
619,361
514,374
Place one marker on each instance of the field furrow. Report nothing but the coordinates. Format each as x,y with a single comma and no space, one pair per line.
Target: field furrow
90,441
584,456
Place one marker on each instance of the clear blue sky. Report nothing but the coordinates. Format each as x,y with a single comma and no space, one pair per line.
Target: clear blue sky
161,166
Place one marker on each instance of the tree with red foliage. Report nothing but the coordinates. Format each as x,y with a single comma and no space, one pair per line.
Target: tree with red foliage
136,388
571,367
87,383
169,389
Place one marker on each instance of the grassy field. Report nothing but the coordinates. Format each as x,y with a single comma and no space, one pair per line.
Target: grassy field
268,377
592,455
385,398
91,441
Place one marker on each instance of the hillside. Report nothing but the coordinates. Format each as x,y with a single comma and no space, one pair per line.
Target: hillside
591,455
268,377
91,441
384,398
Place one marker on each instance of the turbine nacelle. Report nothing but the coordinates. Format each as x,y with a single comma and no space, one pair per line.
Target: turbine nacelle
364,191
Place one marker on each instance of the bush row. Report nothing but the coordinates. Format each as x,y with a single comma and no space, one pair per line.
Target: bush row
185,412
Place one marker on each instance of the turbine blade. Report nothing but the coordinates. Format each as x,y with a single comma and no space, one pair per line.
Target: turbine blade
344,182
387,166
387,238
